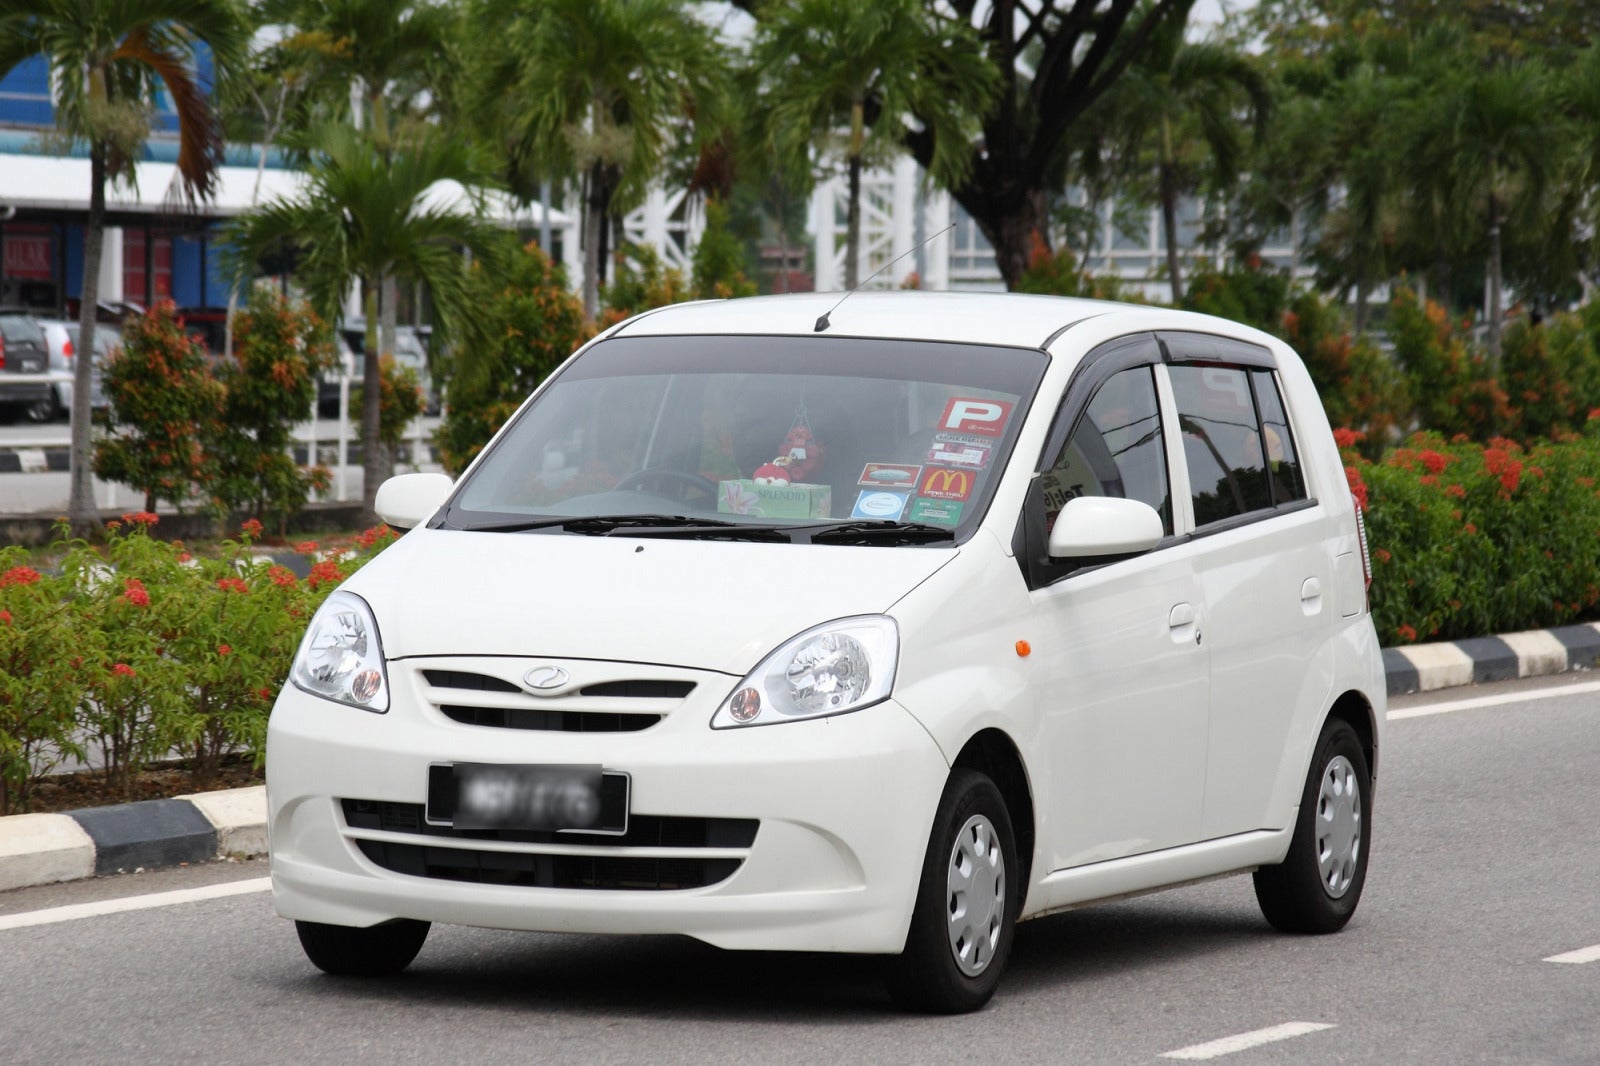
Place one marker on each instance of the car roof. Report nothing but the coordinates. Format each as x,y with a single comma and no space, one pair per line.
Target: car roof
997,318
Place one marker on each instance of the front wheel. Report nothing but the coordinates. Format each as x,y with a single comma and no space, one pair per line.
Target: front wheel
1317,886
378,951
966,907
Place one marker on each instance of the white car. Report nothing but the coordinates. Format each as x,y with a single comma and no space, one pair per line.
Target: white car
871,628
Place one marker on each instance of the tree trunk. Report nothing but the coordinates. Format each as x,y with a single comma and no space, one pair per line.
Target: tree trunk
852,227
594,214
371,375
81,510
1495,296
1169,228
388,314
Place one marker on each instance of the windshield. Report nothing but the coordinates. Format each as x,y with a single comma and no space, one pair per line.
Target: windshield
841,439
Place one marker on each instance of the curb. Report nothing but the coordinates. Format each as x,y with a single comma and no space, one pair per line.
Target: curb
41,849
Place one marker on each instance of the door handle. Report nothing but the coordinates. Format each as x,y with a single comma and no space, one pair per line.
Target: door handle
1182,615
1311,596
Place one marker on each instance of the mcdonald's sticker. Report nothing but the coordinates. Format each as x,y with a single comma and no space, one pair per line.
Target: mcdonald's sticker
946,483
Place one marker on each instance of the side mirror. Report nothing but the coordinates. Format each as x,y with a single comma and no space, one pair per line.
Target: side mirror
1090,527
409,500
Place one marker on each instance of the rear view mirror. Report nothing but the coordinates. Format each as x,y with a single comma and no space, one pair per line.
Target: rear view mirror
1090,527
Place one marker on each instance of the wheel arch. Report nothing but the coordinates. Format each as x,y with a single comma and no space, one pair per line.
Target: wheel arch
992,753
1356,710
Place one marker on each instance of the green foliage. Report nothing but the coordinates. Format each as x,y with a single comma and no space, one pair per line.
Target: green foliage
1482,538
164,402
141,649
528,322
1057,274
1244,293
278,347
1448,380
640,282
719,258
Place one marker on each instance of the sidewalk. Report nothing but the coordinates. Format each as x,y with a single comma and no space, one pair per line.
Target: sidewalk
37,849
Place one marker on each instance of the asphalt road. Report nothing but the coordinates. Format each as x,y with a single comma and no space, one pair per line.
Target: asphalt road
1485,865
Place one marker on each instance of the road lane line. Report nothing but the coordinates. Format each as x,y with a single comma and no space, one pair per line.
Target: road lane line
74,911
1589,954
1493,701
1244,1041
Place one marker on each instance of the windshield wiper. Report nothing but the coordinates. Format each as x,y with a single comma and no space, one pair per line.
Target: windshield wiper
654,525
883,532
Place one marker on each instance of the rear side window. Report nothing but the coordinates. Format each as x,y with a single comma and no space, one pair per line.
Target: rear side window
1236,440
20,329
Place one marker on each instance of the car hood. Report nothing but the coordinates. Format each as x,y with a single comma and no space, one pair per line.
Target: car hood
711,605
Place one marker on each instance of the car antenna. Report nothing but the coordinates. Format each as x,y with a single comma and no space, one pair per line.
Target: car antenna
823,323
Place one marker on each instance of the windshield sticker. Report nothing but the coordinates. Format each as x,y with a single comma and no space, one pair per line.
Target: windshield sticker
889,475
985,417
947,483
877,504
936,512
951,450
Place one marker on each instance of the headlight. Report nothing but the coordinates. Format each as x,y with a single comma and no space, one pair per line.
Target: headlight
832,669
340,658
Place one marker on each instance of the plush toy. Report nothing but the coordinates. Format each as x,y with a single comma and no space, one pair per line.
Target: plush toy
800,458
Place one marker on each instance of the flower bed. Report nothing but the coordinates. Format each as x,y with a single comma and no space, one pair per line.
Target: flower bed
129,651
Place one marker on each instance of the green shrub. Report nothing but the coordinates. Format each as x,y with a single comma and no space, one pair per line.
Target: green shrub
528,322
164,403
1057,274
1469,539
278,346
139,648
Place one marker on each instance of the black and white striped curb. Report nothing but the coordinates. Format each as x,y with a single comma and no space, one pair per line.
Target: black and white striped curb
39,849
1425,667
15,459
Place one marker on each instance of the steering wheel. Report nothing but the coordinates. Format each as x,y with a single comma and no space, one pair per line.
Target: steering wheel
686,483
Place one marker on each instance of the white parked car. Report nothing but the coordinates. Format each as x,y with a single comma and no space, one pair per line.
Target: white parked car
875,633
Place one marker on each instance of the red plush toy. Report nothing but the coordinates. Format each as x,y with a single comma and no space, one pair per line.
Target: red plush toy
801,457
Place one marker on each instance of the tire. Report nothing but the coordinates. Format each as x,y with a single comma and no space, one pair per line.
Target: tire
1317,886
945,968
45,410
379,951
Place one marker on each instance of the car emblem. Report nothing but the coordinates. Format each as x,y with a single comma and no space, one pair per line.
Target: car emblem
546,678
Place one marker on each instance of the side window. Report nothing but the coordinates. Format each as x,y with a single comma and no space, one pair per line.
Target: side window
1283,460
1115,449
1236,441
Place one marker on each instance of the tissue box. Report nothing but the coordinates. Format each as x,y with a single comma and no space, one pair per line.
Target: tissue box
744,496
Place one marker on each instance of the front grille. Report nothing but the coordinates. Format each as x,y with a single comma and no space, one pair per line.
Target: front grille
550,721
624,705
547,871
532,869
644,830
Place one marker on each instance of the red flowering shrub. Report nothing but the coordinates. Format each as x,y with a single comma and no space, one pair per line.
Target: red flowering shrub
1470,539
171,650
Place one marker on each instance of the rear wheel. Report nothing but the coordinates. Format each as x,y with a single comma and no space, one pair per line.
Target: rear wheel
1317,886
966,905
44,410
377,951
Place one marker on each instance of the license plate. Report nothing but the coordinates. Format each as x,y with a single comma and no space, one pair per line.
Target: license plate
565,798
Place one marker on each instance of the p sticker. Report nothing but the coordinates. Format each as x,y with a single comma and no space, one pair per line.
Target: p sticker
984,417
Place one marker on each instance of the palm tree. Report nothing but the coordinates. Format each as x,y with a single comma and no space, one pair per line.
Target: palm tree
366,216
598,90
1498,138
1173,89
866,67
107,60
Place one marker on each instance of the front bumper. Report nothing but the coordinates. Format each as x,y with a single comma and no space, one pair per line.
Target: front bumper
842,808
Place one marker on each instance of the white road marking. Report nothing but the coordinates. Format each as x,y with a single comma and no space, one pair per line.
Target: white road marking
75,911
1589,954
1244,1041
1493,701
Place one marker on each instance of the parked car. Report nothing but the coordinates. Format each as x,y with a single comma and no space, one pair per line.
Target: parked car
409,351
107,337
24,362
876,627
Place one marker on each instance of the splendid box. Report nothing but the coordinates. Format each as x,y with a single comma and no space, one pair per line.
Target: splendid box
744,496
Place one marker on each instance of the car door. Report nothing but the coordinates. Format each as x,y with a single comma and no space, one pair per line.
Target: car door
1265,574
1123,692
